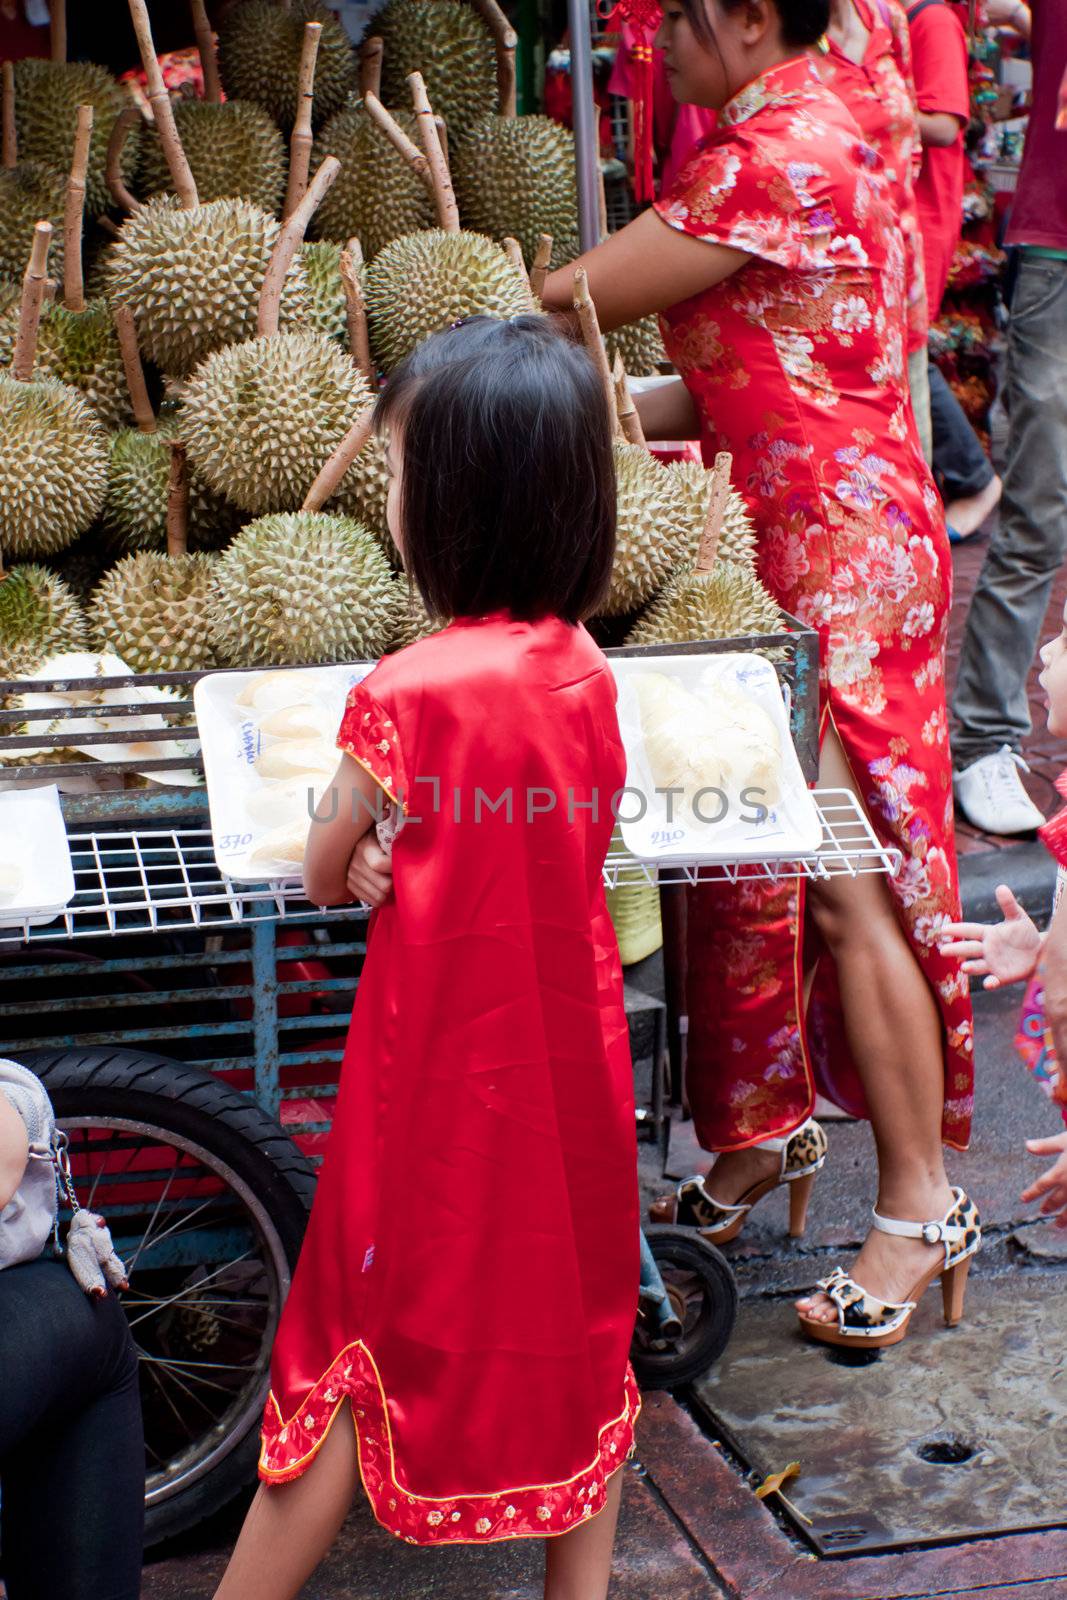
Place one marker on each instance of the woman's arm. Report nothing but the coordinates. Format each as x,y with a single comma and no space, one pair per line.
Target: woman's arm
14,1150
668,412
938,129
1009,14
647,266
346,811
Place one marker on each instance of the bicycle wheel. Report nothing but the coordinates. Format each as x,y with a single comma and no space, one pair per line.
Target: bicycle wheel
703,1296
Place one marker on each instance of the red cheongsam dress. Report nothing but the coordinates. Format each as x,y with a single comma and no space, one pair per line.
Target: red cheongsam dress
796,365
468,1283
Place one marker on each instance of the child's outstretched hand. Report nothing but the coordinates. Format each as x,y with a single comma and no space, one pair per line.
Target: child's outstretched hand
1051,1187
997,952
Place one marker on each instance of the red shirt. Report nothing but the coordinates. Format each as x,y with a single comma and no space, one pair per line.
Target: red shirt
939,65
1039,212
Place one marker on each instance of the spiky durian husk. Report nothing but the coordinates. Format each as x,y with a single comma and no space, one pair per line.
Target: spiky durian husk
47,97
234,149
135,507
83,564
30,193
414,621
426,281
650,532
301,588
328,310
261,418
80,348
39,616
192,278
726,603
640,345
450,45
737,537
152,611
364,493
259,58
515,176
376,196
53,466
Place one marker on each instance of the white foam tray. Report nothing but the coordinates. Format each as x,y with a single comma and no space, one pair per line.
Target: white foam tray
33,839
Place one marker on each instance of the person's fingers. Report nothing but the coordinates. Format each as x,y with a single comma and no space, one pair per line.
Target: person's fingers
991,982
1008,904
963,930
1048,1180
1052,1145
976,968
963,949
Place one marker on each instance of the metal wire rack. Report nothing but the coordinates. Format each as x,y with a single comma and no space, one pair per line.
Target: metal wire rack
136,880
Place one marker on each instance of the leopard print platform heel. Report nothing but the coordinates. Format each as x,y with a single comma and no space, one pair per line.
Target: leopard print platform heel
803,1154
864,1321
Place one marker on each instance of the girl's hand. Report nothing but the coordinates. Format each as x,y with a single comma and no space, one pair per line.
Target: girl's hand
999,952
370,872
1051,1187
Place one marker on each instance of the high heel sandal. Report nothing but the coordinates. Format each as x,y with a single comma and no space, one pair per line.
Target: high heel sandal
803,1154
866,1322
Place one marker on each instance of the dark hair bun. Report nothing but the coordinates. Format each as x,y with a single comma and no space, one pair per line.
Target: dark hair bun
803,21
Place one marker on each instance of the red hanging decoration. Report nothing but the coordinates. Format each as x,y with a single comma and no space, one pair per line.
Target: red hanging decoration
644,17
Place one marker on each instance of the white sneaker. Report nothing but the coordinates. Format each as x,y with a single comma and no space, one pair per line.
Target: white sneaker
991,796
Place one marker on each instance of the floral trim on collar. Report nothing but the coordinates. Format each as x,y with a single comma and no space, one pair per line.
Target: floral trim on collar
771,88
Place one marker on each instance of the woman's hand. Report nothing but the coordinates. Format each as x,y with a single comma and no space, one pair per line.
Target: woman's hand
1051,1187
998,952
14,1150
1009,14
370,872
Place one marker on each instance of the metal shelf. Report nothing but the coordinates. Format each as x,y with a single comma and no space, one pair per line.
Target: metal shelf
134,880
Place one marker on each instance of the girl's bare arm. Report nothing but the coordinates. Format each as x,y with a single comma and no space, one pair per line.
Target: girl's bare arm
347,810
14,1150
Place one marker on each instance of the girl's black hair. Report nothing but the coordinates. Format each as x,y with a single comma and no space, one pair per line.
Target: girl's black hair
803,21
508,494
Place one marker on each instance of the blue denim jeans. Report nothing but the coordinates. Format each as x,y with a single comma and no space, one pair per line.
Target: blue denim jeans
1007,612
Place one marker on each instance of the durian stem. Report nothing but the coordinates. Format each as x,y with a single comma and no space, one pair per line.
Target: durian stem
720,494
329,479
51,289
358,333
33,291
11,143
301,140
205,44
177,502
158,98
539,270
289,241
74,214
140,404
107,225
370,67
444,195
505,41
513,250
587,318
113,166
57,32
629,421
388,124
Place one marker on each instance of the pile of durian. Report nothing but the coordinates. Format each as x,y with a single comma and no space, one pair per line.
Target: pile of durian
196,312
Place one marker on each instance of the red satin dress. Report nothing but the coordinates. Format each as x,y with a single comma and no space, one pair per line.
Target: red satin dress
796,364
468,1282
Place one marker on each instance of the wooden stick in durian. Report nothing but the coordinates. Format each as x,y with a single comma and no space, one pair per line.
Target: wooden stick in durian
629,421
594,343
444,194
302,138
158,98
177,502
113,162
720,494
370,67
10,137
205,45
513,250
34,281
140,404
505,43
356,311
288,242
74,213
411,153
57,29
329,479
539,268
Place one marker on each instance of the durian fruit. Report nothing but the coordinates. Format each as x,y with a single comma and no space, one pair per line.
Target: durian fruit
377,196
260,45
326,290
234,150
300,588
449,44
634,908
39,617
413,620
639,346
152,610
737,537
516,176
83,564
650,533
364,491
48,94
29,193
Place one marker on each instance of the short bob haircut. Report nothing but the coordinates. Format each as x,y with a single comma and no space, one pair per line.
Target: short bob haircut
803,21
508,494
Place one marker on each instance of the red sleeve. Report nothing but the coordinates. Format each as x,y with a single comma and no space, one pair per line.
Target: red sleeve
368,734
939,60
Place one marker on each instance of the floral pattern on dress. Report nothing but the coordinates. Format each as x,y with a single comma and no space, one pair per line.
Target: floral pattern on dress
368,735
851,541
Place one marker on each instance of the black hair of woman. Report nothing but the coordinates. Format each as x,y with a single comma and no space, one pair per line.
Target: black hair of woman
508,496
803,21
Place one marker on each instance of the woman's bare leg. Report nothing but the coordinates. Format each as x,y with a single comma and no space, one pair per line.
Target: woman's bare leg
578,1564
290,1527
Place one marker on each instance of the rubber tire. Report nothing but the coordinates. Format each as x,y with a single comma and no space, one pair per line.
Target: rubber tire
684,1248
178,1097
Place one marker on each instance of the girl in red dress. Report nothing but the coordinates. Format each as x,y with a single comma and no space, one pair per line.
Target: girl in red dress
778,264
459,1323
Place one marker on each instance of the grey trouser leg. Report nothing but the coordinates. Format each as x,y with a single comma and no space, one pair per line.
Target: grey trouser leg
1010,602
919,384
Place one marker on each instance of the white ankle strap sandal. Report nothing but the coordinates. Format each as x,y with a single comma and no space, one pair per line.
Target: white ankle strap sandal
802,1153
